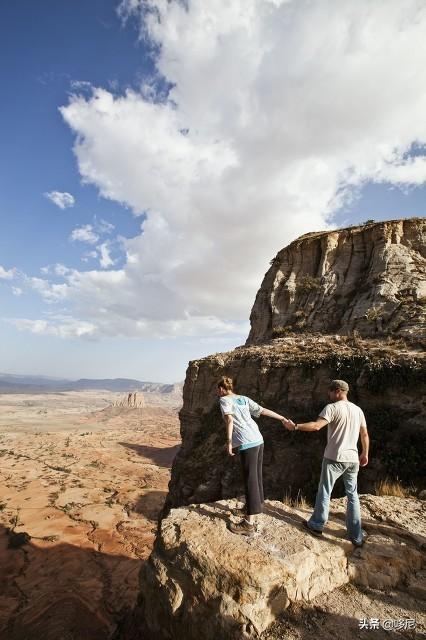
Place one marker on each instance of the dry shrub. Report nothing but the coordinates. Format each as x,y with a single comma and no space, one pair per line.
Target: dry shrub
299,502
388,487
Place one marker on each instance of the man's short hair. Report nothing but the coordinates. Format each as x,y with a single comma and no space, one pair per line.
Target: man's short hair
339,385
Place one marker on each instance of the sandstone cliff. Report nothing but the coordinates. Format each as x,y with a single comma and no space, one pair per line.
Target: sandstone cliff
370,278
344,304
290,373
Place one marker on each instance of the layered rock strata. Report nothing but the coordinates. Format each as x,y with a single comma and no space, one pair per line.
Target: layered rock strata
345,304
291,375
202,581
370,278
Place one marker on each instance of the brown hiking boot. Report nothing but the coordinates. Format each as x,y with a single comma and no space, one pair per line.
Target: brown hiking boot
243,528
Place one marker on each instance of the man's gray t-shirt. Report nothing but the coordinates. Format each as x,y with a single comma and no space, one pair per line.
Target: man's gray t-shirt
245,431
344,421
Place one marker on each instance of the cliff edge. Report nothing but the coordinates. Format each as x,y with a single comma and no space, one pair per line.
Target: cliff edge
342,304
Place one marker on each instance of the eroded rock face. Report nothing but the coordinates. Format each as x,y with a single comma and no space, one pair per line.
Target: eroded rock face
291,376
370,278
202,581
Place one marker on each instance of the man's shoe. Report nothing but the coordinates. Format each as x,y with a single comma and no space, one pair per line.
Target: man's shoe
314,532
357,544
243,528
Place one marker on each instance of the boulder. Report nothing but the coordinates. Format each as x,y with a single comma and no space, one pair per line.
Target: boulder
202,581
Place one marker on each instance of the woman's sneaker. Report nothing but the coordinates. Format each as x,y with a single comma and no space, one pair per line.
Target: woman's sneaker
243,528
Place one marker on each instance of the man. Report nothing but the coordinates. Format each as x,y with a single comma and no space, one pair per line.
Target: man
346,422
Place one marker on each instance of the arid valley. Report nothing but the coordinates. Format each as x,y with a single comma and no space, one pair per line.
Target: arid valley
82,481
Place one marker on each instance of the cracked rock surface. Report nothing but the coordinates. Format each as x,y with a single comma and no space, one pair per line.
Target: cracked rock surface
204,581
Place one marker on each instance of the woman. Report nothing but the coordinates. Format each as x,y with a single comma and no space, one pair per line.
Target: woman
243,435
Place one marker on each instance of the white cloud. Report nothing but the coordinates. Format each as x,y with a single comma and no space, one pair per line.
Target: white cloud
411,171
51,293
61,269
84,234
17,291
65,327
103,226
62,199
7,274
277,110
105,259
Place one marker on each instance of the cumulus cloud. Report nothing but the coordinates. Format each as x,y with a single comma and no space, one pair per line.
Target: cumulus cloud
84,234
276,110
62,199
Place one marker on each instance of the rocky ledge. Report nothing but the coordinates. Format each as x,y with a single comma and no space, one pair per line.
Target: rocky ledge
202,581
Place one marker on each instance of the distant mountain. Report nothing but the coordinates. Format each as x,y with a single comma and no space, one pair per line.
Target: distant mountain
11,383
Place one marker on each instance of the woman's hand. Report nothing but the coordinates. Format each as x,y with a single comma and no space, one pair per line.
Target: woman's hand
230,452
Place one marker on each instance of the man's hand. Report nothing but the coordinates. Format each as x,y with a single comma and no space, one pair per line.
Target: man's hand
229,447
289,424
363,460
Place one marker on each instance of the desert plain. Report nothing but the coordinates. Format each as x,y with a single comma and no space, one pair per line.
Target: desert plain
83,478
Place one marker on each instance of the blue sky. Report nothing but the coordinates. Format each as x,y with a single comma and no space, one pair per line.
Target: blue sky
180,199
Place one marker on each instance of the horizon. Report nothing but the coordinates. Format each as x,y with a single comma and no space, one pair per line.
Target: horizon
155,158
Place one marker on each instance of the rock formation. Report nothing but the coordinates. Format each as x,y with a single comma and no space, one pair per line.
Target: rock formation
343,304
290,373
371,279
202,581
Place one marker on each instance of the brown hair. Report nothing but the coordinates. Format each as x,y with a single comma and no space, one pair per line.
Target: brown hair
226,383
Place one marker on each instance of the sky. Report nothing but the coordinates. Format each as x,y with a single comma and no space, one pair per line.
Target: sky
155,155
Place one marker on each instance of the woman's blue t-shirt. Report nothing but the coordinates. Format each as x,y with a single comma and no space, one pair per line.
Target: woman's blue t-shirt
245,431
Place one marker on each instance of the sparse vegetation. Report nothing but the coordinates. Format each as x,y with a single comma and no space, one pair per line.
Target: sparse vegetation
307,284
62,469
97,464
299,502
388,487
281,331
373,314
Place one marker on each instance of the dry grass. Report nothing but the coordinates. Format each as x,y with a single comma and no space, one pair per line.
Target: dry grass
388,487
299,502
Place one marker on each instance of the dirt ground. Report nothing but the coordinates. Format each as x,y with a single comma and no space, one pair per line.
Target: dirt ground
82,482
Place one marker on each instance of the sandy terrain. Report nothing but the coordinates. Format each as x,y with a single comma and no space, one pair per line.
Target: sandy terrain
86,481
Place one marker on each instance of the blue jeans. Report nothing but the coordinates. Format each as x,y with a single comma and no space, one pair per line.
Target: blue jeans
330,471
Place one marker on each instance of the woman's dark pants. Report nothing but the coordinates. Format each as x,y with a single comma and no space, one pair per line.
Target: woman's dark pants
251,462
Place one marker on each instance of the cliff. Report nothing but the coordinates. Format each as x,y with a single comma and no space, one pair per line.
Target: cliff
290,373
370,278
343,304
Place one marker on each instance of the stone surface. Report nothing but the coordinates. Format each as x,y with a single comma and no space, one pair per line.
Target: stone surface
204,581
370,278
291,375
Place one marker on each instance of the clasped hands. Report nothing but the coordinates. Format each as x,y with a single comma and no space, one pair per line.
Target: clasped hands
288,424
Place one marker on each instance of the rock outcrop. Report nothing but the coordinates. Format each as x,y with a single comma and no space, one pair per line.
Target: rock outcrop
370,278
202,581
344,304
290,373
